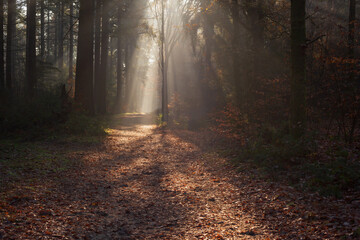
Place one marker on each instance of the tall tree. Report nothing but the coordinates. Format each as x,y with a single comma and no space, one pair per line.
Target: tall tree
61,35
84,63
119,62
56,29
71,41
9,43
42,30
97,60
298,69
2,55
48,31
237,80
31,47
164,90
104,57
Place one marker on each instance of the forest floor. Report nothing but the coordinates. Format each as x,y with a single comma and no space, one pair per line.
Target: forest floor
142,182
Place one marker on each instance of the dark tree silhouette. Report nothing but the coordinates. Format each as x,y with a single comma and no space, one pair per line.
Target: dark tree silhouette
84,69
71,40
2,55
298,72
9,43
104,58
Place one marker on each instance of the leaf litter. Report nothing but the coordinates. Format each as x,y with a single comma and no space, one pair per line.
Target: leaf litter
148,183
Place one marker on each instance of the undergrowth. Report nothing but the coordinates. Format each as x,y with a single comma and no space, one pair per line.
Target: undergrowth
83,124
301,163
48,114
18,115
314,162
29,129
26,162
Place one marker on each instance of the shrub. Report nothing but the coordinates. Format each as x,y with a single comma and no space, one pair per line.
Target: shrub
23,114
82,124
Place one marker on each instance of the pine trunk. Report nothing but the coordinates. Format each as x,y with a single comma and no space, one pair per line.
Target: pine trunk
84,63
104,57
9,43
71,42
61,36
97,51
237,80
48,31
2,54
119,64
298,70
31,47
42,30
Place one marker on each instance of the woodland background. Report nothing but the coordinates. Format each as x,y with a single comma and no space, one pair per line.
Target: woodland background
277,80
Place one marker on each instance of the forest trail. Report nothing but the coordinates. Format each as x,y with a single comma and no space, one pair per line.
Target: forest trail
148,183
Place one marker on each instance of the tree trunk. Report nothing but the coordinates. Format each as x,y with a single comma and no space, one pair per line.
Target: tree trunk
42,30
207,99
110,65
97,51
48,31
237,80
71,41
104,57
31,47
298,70
127,73
84,63
61,36
2,54
9,43
56,43
164,89
119,63
256,24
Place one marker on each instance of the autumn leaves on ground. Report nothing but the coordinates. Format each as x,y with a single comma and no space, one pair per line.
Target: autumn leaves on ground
143,182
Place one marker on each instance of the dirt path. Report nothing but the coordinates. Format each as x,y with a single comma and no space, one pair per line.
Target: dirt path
144,183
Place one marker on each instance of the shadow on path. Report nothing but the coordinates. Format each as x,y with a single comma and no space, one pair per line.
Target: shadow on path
145,183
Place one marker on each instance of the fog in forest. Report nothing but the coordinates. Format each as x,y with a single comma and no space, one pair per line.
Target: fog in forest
145,64
179,119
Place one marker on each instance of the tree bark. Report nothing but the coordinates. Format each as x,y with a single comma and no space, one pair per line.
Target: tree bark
71,41
119,63
84,63
2,54
104,57
31,47
61,35
56,29
237,80
42,30
97,50
48,31
298,68
9,43
164,89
